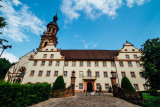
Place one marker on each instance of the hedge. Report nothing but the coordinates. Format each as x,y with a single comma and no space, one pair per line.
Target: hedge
126,84
59,83
17,95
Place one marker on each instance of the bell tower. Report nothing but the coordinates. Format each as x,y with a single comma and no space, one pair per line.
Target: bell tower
49,37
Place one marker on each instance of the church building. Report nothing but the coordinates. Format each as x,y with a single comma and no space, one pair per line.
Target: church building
92,67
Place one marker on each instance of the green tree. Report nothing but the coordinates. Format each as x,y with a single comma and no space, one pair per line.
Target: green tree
59,83
4,66
126,84
151,62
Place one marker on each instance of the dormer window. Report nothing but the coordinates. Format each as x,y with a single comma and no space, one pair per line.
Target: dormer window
127,56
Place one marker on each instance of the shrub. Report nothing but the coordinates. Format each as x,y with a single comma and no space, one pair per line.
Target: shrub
110,89
153,92
59,83
17,95
126,84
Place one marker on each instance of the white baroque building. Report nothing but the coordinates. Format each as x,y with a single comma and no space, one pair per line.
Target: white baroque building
92,67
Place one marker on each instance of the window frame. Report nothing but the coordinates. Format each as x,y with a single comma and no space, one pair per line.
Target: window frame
81,87
120,64
79,74
99,85
105,64
108,86
96,64
137,86
52,55
31,73
39,73
57,63
113,63
42,63
126,56
49,63
55,73
47,73
80,64
122,74
34,63
129,65
96,74
88,65
64,73
104,73
44,55
66,63
134,74
73,65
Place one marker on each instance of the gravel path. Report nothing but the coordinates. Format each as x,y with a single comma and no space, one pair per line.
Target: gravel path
81,100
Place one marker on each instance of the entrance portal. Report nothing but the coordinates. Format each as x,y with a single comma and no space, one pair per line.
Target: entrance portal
89,87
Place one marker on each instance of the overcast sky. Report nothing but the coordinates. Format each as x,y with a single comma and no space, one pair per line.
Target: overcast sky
83,24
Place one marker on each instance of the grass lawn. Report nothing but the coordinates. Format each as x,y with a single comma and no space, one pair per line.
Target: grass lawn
151,101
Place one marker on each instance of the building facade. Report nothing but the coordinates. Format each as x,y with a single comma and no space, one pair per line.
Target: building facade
92,67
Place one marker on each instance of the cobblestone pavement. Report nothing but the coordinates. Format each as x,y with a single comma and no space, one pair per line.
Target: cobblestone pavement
81,100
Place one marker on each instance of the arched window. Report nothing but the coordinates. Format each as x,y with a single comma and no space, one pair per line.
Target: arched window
45,44
49,29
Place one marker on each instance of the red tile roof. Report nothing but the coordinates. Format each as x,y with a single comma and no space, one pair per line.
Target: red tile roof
89,54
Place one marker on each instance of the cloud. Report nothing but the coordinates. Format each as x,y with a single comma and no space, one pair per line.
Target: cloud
130,3
95,8
76,36
12,58
20,20
86,44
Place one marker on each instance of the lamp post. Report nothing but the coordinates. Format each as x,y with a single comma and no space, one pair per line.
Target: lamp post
5,47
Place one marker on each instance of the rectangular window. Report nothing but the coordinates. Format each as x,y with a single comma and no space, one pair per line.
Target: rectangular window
96,64
50,63
43,63
138,64
127,56
57,63
48,73
129,64
133,74
45,56
80,74
105,74
66,63
135,56
81,63
40,73
97,73
56,73
35,63
65,73
104,64
121,64
80,85
89,74
136,86
88,64
112,64
32,73
52,55
97,85
107,86
145,87
73,63
123,74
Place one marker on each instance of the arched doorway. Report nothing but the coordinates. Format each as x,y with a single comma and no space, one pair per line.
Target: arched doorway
89,87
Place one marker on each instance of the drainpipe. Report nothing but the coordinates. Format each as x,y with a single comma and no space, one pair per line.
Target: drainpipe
116,72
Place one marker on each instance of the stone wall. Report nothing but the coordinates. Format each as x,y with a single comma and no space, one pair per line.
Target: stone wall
69,91
133,97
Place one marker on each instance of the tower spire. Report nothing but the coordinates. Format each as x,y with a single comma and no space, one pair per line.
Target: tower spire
55,18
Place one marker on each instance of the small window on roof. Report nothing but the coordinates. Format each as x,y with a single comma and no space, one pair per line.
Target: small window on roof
133,49
125,49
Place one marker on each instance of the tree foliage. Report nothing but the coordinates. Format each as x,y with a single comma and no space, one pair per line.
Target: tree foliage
151,62
126,84
59,83
4,66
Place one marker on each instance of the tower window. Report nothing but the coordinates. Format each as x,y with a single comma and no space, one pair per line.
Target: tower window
49,30
45,44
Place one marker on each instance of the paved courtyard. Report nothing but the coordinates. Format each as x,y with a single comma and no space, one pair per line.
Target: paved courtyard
81,100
